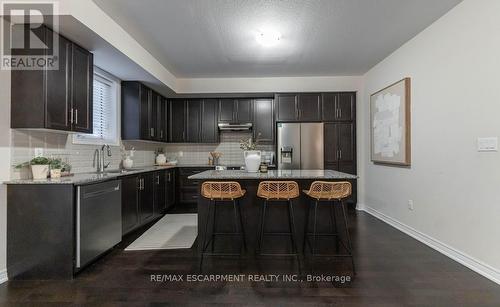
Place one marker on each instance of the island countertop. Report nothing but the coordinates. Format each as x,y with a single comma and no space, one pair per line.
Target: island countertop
272,174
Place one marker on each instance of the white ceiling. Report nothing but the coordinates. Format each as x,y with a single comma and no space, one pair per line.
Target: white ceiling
216,38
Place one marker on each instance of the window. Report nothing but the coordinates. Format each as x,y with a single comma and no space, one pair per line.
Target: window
105,113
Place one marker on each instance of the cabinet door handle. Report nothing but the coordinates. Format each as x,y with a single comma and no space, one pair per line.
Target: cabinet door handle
168,177
340,154
152,131
76,116
142,184
340,113
161,133
71,116
158,179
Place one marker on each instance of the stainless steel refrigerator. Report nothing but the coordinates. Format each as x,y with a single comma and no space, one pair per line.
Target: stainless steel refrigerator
300,146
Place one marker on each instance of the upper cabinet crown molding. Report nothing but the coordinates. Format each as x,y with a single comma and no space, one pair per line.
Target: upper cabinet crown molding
59,99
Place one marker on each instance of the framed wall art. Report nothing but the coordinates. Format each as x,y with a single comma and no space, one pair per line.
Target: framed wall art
390,124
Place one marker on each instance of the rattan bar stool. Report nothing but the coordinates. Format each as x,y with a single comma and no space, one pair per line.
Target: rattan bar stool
331,193
222,192
276,192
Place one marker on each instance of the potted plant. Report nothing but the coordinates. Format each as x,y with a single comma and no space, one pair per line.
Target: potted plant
252,156
56,166
39,167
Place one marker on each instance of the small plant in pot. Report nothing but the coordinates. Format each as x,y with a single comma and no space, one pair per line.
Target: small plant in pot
39,167
56,166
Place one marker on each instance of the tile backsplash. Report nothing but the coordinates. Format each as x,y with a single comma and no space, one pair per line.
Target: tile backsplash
193,154
80,157
60,145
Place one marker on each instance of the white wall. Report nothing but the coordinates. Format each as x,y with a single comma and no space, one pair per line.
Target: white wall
454,66
269,85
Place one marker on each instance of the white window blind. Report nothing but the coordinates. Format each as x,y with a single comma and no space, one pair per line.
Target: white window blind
105,112
103,94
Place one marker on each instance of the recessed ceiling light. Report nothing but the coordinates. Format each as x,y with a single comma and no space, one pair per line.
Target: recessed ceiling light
268,38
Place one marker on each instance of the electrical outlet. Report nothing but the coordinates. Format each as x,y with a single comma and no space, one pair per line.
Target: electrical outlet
181,154
410,205
38,152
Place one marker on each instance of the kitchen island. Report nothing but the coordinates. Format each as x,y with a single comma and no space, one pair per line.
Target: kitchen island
277,216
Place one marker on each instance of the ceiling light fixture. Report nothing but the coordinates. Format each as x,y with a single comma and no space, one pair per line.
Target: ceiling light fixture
268,38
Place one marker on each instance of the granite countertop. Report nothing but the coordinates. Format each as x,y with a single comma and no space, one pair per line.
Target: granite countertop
86,178
272,174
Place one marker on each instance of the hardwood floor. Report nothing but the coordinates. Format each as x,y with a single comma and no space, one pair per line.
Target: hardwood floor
392,270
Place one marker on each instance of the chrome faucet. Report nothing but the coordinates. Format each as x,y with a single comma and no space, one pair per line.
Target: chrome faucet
99,162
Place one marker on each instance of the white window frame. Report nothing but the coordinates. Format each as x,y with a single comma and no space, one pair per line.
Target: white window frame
88,139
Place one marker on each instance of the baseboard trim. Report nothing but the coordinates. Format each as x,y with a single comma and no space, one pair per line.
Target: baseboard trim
474,264
3,276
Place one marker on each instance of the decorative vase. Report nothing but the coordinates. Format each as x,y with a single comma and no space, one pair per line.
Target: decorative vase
55,173
40,171
252,160
127,163
161,159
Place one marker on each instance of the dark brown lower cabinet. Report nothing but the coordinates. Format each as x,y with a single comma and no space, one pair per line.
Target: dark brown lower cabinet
160,195
170,188
340,149
188,189
130,203
142,199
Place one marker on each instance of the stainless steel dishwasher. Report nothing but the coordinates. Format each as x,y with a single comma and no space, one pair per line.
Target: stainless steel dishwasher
98,220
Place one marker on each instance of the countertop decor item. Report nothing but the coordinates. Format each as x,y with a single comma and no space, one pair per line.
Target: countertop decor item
252,160
216,156
56,166
252,156
39,167
161,159
390,124
127,163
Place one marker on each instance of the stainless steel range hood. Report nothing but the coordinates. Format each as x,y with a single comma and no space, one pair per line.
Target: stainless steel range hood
235,126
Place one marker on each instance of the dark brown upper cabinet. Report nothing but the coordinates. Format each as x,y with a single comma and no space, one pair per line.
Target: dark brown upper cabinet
309,107
58,99
339,106
193,121
236,110
298,107
161,118
177,121
209,132
82,73
144,113
286,107
264,122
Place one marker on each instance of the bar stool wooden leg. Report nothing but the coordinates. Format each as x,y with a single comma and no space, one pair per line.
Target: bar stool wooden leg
243,236
335,231
262,225
314,232
203,243
348,236
214,226
306,230
292,226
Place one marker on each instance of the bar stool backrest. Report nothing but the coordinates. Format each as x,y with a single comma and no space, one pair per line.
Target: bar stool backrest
330,190
278,189
221,190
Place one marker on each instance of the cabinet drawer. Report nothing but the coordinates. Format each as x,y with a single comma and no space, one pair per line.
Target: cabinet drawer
188,195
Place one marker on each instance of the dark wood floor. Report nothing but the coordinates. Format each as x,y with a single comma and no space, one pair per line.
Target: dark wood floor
392,270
